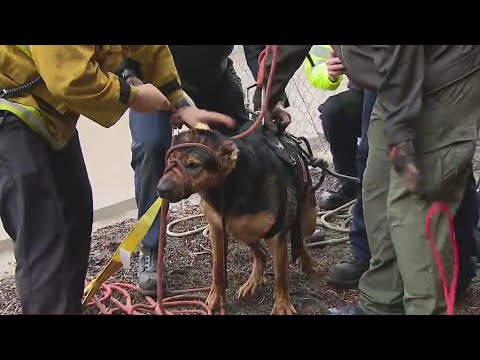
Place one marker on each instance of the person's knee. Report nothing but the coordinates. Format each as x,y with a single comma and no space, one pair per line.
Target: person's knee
330,111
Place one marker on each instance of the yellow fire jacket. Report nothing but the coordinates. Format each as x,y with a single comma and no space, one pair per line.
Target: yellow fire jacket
79,80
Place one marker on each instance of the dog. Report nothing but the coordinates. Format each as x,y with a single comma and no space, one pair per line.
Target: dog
264,197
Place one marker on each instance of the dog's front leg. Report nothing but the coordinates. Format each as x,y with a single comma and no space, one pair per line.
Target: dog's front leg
282,302
217,292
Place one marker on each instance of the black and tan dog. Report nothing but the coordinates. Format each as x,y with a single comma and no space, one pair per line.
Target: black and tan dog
264,198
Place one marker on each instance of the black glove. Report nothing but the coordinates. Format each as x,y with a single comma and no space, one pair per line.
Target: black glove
277,119
402,156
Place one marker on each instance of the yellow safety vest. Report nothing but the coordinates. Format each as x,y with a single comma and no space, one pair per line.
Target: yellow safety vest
31,116
317,74
320,53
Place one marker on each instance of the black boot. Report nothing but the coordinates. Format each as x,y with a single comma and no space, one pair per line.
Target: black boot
343,192
354,309
348,273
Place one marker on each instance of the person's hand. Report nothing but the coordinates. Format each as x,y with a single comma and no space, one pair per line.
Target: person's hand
402,156
278,119
335,68
149,99
195,118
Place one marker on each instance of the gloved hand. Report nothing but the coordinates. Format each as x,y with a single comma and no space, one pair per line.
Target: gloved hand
402,156
278,119
320,161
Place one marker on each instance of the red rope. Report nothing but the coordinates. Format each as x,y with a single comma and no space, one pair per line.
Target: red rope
181,298
450,292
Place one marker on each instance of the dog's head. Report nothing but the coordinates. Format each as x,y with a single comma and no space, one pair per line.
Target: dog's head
195,168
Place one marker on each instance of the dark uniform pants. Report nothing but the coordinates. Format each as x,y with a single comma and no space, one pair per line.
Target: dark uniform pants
46,208
341,117
403,275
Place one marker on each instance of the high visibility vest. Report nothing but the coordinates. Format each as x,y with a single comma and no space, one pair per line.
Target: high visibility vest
317,73
321,53
28,114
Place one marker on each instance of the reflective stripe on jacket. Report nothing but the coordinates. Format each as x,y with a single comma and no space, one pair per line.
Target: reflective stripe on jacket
31,116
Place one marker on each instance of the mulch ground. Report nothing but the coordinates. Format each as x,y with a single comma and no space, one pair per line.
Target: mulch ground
188,265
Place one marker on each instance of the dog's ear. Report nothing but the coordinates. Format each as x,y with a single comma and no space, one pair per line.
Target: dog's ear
228,153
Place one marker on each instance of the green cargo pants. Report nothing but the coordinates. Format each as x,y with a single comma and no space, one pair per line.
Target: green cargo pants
403,277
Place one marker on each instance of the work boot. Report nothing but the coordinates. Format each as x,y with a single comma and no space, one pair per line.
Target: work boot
344,191
147,272
354,309
347,274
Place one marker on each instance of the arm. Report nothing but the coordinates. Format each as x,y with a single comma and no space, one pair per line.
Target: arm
252,52
290,58
401,68
158,68
71,74
318,77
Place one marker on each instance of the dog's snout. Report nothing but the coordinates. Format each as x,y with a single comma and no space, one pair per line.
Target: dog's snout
164,187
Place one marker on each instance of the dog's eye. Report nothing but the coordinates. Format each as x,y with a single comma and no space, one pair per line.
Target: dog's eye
194,167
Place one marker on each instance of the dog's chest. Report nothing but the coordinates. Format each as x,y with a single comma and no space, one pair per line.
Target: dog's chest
249,228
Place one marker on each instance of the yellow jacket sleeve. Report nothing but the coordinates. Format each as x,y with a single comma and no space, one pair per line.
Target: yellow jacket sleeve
71,74
318,76
158,68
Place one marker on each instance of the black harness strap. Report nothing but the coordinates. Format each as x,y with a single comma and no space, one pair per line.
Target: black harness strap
291,153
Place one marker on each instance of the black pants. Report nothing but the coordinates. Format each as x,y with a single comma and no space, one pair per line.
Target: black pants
341,117
225,97
46,208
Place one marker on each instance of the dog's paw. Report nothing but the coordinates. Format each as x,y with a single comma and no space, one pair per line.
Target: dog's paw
312,272
250,287
215,298
283,307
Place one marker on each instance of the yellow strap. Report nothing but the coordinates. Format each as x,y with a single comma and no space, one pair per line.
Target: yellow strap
124,251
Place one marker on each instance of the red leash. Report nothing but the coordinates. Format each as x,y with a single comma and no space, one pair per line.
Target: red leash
449,292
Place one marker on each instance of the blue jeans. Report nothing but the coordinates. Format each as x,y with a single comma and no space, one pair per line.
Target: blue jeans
151,138
358,232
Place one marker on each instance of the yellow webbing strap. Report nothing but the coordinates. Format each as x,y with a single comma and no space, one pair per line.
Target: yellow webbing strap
124,251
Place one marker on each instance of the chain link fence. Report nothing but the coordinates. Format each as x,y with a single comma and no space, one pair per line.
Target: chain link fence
303,97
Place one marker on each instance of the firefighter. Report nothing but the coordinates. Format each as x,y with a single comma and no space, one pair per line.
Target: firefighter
46,198
422,137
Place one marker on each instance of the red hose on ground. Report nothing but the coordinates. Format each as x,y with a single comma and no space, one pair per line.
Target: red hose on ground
450,292
180,298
